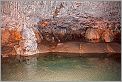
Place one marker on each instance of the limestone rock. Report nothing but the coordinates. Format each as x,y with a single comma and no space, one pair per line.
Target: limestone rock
28,44
5,36
92,35
108,35
10,36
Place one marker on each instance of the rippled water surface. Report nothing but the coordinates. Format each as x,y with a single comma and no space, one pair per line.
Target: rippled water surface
55,68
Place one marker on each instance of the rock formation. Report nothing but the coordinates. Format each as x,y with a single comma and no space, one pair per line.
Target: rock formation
25,24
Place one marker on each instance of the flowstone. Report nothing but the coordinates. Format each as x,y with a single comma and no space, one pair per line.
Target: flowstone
28,43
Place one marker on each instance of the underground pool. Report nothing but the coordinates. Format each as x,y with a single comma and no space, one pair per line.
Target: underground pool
61,68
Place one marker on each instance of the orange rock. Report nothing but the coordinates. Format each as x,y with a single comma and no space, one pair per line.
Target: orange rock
92,35
44,23
8,51
5,36
108,35
15,36
100,31
10,37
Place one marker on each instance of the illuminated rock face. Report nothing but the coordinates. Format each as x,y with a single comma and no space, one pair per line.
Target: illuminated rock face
10,36
95,35
92,35
17,13
28,44
108,35
5,36
24,42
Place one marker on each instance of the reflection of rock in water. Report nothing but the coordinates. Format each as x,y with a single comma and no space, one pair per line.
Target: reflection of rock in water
32,60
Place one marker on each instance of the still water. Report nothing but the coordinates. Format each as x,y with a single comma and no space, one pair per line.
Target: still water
54,68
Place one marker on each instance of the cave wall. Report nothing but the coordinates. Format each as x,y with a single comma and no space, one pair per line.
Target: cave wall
26,10
23,15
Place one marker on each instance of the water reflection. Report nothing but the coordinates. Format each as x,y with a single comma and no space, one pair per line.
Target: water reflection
55,68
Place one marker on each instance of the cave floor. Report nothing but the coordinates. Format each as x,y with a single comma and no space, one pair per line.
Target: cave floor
75,47
82,47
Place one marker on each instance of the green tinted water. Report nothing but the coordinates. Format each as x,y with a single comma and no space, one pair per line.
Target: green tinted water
53,68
